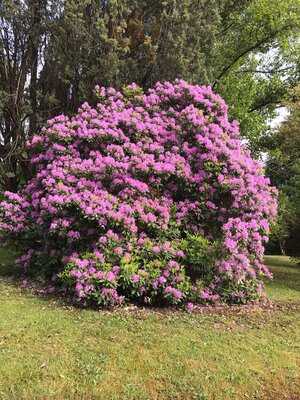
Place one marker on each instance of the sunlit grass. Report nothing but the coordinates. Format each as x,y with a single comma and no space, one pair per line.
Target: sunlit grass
52,351
286,281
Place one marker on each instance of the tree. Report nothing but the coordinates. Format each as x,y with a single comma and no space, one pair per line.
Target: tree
259,63
54,52
283,167
22,29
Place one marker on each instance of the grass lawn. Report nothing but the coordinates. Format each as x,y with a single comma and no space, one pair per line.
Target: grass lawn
52,351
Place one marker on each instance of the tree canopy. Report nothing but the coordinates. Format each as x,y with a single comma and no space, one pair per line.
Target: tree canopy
54,52
283,168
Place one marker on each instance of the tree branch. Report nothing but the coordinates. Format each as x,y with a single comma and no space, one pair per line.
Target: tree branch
265,104
247,51
261,71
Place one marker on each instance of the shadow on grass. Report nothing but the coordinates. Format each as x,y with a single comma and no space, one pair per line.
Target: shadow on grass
8,267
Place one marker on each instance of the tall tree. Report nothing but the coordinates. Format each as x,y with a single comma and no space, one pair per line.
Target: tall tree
283,167
22,28
53,53
259,63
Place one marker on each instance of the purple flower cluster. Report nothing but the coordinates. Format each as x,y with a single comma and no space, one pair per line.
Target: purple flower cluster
117,180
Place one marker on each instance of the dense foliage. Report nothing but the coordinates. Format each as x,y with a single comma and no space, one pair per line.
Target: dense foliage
53,53
146,197
283,168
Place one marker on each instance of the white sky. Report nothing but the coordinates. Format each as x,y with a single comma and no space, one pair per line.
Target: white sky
282,113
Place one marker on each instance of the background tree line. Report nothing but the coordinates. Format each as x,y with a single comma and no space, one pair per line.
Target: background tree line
283,167
53,52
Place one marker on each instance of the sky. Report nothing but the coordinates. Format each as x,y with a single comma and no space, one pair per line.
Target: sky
282,114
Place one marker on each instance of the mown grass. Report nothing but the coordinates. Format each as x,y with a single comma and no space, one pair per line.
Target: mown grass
52,351
286,279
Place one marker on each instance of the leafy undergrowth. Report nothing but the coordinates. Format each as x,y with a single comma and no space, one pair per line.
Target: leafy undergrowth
49,350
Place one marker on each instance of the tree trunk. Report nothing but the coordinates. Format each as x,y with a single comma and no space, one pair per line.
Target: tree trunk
35,38
282,247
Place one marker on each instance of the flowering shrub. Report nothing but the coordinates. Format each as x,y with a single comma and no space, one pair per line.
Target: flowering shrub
129,196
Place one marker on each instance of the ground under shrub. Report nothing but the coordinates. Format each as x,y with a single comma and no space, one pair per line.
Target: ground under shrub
150,198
